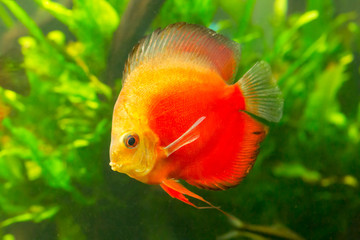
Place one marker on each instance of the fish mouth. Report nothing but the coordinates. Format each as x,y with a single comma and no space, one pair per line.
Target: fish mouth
116,166
119,167
137,173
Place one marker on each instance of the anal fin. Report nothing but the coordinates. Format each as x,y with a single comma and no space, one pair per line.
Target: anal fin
178,191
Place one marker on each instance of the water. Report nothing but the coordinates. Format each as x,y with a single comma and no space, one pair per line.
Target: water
58,88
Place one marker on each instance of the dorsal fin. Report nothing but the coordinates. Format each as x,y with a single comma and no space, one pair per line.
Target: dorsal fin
194,42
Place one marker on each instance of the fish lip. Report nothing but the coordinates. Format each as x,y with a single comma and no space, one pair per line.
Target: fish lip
134,173
119,167
116,166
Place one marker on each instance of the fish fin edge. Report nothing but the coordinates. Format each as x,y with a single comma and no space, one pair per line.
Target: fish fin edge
176,190
263,97
186,138
191,40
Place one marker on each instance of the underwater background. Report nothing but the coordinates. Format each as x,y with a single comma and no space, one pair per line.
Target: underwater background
61,64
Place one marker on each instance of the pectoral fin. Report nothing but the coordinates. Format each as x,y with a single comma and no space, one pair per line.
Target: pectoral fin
188,137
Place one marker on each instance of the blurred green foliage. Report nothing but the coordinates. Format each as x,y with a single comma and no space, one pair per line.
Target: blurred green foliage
55,182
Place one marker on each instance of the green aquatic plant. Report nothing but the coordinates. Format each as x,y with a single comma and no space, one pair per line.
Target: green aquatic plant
44,141
55,117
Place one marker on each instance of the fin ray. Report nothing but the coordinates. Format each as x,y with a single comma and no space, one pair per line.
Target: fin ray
188,137
194,42
262,95
176,190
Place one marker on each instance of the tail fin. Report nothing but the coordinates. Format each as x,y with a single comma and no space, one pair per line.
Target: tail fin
262,96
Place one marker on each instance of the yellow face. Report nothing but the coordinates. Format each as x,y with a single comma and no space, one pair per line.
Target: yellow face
133,149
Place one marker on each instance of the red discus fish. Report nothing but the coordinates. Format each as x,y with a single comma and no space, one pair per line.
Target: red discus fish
179,117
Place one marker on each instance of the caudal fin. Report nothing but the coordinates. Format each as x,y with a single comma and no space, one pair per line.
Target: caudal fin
262,96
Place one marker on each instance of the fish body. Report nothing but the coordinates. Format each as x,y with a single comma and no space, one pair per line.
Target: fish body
179,117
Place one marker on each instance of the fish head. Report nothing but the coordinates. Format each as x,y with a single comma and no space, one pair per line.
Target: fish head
133,148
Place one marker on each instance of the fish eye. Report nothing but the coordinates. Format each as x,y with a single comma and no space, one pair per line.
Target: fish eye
131,140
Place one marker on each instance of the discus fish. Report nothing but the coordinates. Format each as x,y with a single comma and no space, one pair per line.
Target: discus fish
178,115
